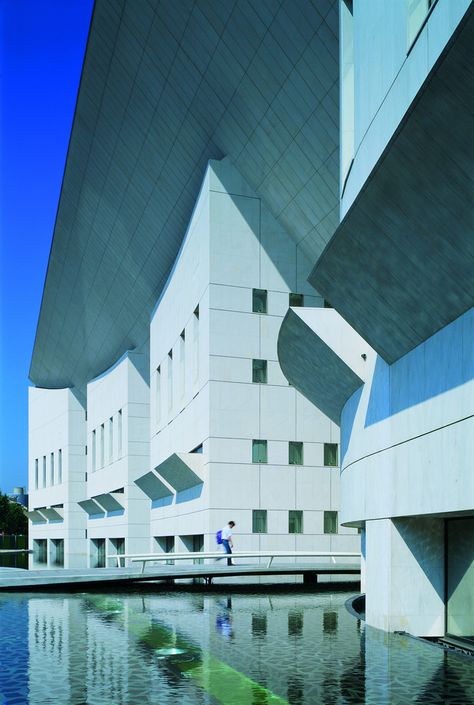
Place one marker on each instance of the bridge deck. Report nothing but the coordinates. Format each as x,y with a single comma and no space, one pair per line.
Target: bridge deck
17,579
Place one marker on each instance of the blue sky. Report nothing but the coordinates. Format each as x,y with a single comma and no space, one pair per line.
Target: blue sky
42,45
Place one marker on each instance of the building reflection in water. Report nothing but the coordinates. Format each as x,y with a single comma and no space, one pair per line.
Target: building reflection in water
187,649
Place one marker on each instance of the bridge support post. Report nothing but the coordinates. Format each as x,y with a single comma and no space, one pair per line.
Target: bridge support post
310,578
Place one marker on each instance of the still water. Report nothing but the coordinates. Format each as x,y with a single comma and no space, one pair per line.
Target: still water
272,648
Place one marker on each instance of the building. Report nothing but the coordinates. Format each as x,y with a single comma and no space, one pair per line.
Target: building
230,439
398,271
219,120
18,495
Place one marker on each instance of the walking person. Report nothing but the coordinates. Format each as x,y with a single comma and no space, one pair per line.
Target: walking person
226,535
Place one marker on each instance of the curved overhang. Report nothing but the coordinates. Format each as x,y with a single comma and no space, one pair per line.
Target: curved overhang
163,90
400,266
322,357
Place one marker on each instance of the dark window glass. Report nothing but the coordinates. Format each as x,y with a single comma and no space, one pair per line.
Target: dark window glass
259,451
295,453
295,521
259,300
330,454
259,371
330,522
296,299
259,521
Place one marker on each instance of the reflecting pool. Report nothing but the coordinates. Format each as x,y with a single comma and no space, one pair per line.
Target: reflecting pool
195,648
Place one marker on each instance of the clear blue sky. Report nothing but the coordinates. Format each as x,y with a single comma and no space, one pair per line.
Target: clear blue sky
42,45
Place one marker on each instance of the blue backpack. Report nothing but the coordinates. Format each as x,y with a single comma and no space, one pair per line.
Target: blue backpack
219,536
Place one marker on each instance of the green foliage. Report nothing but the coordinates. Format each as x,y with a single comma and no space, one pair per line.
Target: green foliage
13,519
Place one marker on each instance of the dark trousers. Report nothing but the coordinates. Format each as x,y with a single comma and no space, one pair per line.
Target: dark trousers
227,549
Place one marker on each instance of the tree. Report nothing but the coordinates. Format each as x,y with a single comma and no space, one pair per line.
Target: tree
13,519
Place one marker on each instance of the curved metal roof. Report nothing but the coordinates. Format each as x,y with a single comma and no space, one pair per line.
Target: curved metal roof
166,87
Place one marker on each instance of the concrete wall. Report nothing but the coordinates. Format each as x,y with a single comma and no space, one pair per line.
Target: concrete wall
389,73
119,397
408,464
57,427
233,245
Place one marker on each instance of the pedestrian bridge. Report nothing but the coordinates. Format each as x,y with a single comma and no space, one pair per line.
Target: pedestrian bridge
156,567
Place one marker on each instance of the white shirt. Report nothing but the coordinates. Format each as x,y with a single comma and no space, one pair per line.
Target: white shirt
226,532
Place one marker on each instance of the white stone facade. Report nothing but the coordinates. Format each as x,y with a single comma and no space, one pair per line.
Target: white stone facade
204,428
204,339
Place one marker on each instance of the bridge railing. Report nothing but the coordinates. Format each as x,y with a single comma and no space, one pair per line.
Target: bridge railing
145,558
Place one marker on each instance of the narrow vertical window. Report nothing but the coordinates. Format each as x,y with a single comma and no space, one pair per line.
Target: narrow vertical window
417,11
101,445
111,439
296,300
259,451
60,466
259,371
119,434
295,453
36,474
347,86
330,454
330,522
44,471
94,450
295,521
259,521
158,395
182,364
196,343
170,380
51,469
259,300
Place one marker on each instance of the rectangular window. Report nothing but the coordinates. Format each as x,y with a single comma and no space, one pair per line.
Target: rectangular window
196,344
347,87
111,439
259,371
158,395
94,450
296,299
51,469
259,300
295,521
44,471
330,454
259,521
102,444
36,474
60,466
119,434
170,380
182,364
259,451
330,522
417,11
295,453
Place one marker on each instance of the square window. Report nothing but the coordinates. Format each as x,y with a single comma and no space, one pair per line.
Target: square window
296,299
330,454
259,521
259,451
295,521
259,300
259,371
295,453
330,522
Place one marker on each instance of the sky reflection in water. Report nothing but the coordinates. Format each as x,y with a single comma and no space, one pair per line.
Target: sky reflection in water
184,648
